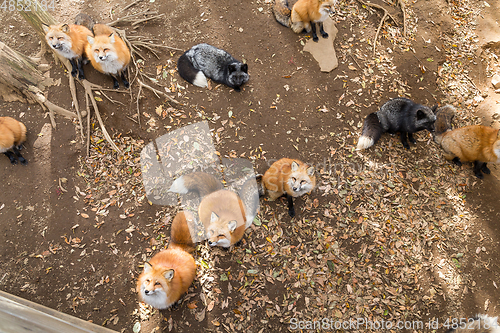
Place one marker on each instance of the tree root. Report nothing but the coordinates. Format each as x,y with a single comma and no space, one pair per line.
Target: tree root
89,95
386,14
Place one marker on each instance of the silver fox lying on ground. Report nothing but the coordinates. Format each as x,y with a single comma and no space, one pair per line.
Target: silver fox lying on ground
397,115
204,60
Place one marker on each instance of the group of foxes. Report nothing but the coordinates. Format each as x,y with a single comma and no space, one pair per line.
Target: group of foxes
225,214
87,41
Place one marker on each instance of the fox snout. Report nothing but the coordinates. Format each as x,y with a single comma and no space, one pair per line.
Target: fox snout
102,57
56,46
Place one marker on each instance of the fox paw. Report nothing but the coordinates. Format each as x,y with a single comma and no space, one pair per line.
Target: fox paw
23,161
324,34
291,212
457,162
479,175
485,169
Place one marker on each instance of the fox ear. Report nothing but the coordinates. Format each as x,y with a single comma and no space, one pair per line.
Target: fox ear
214,217
231,68
231,225
90,40
421,115
168,274
244,68
112,38
147,267
295,166
65,28
45,27
434,108
310,171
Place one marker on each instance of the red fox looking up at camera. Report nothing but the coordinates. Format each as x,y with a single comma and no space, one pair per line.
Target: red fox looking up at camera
108,53
225,214
168,275
288,177
69,41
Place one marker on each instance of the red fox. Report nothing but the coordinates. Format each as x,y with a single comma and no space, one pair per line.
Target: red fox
69,41
304,15
476,143
12,136
108,53
288,177
168,275
223,213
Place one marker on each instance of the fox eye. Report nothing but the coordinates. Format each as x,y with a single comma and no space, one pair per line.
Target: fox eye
294,179
303,182
59,38
148,280
221,236
106,50
157,283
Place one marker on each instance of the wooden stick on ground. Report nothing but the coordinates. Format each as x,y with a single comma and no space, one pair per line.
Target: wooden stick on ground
386,13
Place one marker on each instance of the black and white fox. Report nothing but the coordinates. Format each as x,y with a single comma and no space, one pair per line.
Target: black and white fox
204,60
396,115
479,324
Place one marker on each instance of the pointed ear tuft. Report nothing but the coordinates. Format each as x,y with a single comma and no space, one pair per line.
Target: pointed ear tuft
214,217
168,274
90,40
310,171
244,68
45,27
65,28
295,166
147,267
231,225
112,38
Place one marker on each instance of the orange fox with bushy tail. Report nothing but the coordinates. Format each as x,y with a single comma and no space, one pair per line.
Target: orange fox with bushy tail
108,53
168,275
476,143
288,177
69,41
12,136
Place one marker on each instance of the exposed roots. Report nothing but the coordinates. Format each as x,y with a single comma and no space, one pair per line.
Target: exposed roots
386,14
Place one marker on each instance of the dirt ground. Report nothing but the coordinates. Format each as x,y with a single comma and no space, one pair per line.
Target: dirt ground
389,234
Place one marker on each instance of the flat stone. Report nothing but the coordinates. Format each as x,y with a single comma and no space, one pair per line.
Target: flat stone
323,51
495,81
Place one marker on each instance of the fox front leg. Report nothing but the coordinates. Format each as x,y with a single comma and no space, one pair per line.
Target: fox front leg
478,167
19,156
116,85
313,30
411,138
11,157
79,63
404,140
74,66
323,32
124,80
291,209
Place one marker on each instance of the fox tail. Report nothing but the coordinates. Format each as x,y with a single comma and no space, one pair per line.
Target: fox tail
372,131
189,73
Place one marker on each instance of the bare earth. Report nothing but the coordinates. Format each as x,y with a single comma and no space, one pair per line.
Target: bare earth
388,235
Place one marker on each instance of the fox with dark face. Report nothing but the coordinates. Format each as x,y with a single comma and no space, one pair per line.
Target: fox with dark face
396,115
204,60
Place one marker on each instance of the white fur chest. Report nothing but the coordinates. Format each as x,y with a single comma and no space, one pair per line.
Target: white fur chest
325,13
497,153
110,65
66,52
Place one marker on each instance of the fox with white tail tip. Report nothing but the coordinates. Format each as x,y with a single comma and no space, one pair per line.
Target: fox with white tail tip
204,60
397,115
